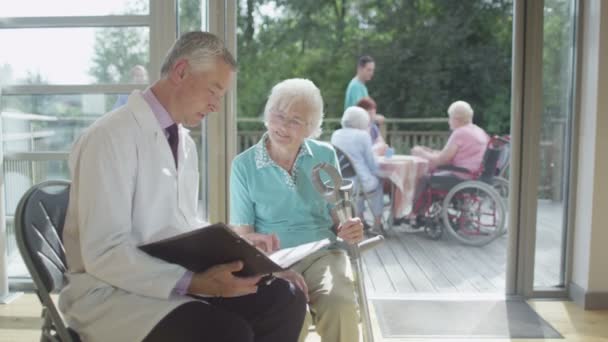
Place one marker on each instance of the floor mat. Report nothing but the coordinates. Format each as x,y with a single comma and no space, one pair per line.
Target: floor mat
460,318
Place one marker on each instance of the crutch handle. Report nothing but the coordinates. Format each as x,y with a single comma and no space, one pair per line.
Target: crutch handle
370,243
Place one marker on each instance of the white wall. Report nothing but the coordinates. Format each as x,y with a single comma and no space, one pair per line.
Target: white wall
590,248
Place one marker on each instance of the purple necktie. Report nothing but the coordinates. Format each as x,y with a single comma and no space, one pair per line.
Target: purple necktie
173,140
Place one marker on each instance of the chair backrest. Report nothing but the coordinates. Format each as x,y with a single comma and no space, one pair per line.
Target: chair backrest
490,160
495,159
504,160
346,166
39,220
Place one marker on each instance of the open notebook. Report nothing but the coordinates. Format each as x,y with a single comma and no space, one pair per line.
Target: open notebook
288,256
205,247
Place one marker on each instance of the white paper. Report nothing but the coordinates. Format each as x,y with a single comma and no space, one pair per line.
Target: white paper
288,256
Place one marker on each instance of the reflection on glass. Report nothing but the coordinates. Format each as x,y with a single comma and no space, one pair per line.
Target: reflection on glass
52,56
55,8
49,122
558,49
190,15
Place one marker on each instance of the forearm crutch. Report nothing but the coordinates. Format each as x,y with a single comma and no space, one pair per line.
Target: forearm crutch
337,191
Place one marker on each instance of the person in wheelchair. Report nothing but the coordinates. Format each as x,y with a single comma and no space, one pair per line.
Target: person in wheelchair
354,140
459,158
273,203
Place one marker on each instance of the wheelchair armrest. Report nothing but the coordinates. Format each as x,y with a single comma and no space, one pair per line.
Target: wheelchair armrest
370,243
452,168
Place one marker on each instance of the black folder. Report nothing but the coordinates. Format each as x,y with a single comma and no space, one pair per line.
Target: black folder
205,247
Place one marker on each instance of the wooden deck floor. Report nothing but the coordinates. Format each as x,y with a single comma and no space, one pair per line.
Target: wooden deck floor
410,263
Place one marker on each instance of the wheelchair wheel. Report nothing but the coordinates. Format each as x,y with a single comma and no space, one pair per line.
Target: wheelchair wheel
433,231
474,213
432,222
501,185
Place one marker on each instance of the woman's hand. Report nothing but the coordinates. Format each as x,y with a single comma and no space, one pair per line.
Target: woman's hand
294,278
267,243
351,231
220,281
379,148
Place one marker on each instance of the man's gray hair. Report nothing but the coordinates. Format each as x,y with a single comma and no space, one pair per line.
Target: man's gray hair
201,49
462,111
297,91
355,117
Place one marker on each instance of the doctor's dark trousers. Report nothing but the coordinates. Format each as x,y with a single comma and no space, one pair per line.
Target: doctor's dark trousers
274,314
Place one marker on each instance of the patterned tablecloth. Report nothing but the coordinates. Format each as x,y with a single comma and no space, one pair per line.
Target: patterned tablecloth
404,172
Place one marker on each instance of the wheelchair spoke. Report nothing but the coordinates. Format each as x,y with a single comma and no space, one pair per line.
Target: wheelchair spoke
474,213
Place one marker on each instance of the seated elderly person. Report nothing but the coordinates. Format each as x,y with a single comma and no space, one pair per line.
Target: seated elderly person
465,147
379,146
354,140
273,202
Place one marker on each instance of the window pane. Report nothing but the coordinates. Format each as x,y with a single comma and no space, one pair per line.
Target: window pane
558,78
51,122
413,83
56,8
50,55
190,15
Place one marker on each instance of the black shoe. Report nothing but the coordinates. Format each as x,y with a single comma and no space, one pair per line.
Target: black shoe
400,221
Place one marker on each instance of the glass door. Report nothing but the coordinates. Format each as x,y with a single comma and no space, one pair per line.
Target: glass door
555,143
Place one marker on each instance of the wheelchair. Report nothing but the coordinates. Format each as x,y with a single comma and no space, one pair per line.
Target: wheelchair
473,210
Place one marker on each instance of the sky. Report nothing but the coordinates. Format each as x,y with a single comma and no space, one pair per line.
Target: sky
60,55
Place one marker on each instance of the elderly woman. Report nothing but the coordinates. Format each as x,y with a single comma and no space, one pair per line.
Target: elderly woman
465,148
379,146
354,140
273,202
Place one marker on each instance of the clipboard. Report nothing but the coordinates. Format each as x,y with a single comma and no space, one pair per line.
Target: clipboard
202,248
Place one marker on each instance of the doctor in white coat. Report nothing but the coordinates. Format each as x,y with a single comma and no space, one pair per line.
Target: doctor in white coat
134,181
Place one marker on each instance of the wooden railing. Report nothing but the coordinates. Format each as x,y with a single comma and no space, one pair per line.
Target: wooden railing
395,132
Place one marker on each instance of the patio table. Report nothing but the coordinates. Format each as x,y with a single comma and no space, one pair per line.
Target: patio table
404,173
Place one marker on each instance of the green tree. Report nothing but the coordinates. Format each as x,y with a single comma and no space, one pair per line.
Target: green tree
117,51
428,53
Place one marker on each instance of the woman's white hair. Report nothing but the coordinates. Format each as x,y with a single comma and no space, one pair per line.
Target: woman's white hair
299,91
201,49
355,117
462,111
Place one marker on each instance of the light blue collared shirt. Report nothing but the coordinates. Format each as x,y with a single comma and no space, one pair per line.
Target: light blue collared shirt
265,196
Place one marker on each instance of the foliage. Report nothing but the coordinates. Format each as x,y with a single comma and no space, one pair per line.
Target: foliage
428,53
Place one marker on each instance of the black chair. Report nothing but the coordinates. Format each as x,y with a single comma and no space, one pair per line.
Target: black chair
39,220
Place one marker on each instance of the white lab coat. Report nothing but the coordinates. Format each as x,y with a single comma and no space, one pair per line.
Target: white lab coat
125,192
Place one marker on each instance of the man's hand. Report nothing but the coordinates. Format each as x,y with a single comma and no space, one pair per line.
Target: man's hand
220,282
267,243
351,231
296,279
